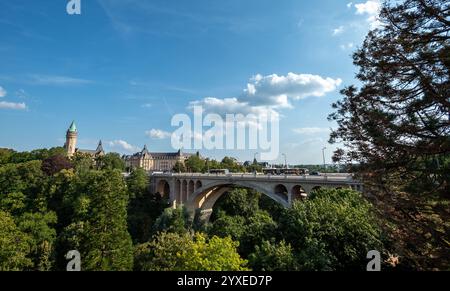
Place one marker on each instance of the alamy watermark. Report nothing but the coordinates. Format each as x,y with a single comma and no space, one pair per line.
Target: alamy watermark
374,264
73,7
74,265
229,132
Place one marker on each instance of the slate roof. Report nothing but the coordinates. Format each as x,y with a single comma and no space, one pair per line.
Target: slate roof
157,155
92,152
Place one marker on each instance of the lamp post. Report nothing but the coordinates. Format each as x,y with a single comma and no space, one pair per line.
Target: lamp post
254,157
323,155
285,160
255,164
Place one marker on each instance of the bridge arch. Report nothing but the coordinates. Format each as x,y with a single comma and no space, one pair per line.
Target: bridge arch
163,189
298,193
198,185
206,196
281,191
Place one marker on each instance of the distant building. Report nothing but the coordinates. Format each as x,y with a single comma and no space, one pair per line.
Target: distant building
154,162
264,164
144,159
71,144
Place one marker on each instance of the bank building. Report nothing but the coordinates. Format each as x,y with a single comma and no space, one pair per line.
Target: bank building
71,144
149,161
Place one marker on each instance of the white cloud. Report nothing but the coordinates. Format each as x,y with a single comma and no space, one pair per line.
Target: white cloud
123,145
158,134
274,90
57,80
267,94
349,5
338,31
226,106
2,92
311,130
346,46
147,105
371,8
11,105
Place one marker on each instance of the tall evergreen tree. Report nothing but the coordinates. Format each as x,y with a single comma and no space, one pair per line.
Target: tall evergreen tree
400,117
101,233
397,125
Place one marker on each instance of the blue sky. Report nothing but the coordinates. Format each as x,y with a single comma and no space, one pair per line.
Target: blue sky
123,68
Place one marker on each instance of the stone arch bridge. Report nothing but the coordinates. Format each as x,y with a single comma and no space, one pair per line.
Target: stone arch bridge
201,191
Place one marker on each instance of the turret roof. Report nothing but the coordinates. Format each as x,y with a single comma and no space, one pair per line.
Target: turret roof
73,127
99,147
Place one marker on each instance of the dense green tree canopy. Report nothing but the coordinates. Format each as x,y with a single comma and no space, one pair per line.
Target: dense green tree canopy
138,183
55,164
179,167
173,220
111,161
14,245
237,214
239,201
195,164
82,163
232,165
100,230
186,252
144,207
332,230
43,236
273,257
11,156
104,215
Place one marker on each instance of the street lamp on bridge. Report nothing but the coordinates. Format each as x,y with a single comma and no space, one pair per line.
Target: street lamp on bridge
254,158
323,155
285,160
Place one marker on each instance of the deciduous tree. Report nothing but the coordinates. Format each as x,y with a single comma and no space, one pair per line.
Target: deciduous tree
186,252
332,230
55,164
14,245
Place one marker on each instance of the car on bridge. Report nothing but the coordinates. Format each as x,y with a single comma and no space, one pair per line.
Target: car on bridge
286,171
219,171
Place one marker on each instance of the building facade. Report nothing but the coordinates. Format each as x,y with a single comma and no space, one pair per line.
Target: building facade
71,144
154,162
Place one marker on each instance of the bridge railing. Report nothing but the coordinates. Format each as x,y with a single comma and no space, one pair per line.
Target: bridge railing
337,178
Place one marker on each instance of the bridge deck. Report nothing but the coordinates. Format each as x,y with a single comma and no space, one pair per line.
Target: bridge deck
339,178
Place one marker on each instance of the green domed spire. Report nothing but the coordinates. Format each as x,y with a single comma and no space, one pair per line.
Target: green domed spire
73,127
